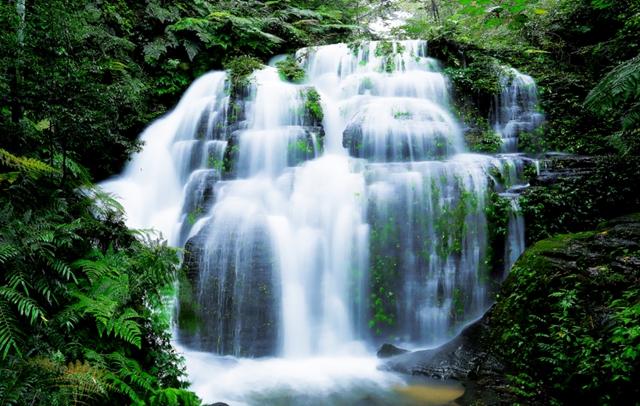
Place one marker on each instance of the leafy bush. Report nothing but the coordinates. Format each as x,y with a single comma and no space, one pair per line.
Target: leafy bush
289,70
487,142
240,67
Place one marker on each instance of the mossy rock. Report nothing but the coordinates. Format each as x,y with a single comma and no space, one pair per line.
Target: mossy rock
564,319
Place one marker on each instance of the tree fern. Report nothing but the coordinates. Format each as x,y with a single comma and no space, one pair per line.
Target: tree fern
620,87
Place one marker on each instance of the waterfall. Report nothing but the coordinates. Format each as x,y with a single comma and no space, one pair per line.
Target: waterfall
515,108
309,237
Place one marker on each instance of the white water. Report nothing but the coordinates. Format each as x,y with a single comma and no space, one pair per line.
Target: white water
311,249
515,108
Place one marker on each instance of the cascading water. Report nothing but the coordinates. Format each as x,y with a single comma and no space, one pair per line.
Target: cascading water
515,108
309,237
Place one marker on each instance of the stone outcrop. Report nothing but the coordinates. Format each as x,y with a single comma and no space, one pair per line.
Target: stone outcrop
556,167
389,350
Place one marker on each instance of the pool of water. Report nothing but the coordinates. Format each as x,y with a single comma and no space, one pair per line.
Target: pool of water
320,381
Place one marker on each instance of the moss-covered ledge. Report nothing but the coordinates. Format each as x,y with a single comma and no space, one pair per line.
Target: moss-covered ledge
567,318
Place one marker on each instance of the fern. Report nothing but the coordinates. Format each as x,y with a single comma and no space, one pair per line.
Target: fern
9,330
27,307
620,86
129,370
31,167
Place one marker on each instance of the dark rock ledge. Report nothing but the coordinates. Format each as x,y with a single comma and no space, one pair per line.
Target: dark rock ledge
465,358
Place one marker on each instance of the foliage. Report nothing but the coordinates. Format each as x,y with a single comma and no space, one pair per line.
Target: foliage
387,51
571,330
487,142
312,105
620,86
512,12
289,70
240,67
576,204
80,80
497,212
84,313
568,50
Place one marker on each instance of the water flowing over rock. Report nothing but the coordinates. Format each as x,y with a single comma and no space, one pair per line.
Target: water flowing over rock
306,236
515,108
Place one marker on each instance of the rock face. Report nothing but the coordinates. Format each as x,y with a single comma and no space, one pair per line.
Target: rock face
388,351
464,357
556,167
231,302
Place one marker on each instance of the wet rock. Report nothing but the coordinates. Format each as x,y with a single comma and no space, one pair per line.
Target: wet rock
556,167
389,350
464,357
229,299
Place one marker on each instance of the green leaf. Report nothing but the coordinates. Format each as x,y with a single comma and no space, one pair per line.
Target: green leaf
494,22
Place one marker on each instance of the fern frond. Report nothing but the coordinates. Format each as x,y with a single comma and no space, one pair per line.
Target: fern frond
26,305
130,370
15,277
16,384
631,118
173,396
125,327
93,269
81,383
619,85
31,167
9,177
9,331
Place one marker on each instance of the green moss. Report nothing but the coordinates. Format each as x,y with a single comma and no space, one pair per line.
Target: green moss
290,71
188,319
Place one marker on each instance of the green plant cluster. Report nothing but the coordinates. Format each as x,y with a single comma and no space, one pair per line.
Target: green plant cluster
569,50
81,79
497,212
312,105
568,315
385,50
290,71
240,67
487,142
84,301
385,271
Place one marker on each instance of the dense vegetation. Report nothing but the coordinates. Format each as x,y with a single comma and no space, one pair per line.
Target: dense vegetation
83,301
567,320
